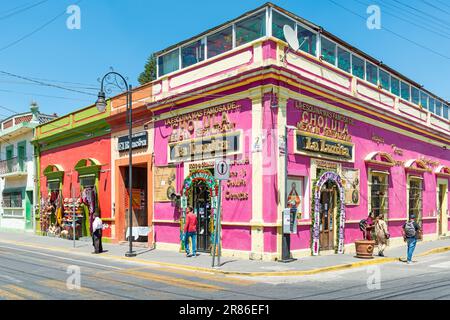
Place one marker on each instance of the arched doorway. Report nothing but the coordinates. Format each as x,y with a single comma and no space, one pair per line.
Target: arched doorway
200,188
329,214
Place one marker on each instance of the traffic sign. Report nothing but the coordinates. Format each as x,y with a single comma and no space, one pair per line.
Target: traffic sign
222,169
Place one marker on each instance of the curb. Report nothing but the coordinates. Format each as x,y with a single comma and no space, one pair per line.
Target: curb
376,261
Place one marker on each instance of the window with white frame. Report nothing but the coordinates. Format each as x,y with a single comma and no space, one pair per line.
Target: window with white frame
385,80
395,86
251,28
193,53
358,67
307,40
438,106
405,91
431,104
344,60
169,62
379,193
415,95
220,42
12,199
371,73
328,49
446,112
278,22
415,193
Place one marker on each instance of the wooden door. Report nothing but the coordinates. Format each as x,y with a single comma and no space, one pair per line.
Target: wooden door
327,200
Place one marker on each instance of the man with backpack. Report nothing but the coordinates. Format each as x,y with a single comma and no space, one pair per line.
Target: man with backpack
410,232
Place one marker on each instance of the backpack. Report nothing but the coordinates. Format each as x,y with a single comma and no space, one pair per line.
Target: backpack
410,230
363,225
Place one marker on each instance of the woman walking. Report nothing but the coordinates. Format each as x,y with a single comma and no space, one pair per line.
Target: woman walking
382,234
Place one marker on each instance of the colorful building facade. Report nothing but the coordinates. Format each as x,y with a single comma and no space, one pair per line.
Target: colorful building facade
17,169
74,174
361,138
327,129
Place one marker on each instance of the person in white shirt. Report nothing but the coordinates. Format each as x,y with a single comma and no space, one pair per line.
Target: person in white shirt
97,228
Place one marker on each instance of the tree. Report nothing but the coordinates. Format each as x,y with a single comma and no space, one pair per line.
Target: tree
149,73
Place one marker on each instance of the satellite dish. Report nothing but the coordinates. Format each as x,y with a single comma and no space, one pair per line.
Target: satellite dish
291,37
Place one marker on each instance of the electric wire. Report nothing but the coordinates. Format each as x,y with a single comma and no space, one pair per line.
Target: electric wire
447,36
14,13
35,30
422,12
436,7
394,33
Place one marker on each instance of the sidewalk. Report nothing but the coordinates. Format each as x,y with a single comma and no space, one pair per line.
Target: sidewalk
230,266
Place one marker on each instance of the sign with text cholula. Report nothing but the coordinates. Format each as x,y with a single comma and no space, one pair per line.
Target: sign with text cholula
323,134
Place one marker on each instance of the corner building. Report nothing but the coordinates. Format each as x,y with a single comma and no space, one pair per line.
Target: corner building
361,138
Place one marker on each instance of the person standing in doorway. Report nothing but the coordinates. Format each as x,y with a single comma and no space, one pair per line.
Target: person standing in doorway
190,230
382,234
97,229
410,232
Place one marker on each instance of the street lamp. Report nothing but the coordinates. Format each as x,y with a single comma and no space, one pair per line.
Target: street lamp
114,79
286,242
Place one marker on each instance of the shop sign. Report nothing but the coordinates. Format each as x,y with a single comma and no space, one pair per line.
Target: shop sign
320,146
351,184
138,140
164,183
205,148
183,202
222,169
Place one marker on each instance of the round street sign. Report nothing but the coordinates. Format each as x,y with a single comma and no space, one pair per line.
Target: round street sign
222,169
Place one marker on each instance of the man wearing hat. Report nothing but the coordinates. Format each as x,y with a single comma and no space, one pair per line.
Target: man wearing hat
410,232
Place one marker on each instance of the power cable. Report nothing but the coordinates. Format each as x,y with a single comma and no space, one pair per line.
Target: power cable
436,7
36,30
393,32
42,95
14,13
422,12
443,3
45,84
447,36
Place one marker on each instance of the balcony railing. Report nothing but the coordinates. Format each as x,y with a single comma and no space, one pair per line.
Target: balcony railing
13,165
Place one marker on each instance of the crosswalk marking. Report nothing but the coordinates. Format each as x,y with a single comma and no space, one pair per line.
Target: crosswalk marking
173,281
27,294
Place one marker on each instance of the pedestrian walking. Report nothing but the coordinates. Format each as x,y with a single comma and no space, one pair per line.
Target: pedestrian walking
369,226
382,234
97,229
410,232
190,231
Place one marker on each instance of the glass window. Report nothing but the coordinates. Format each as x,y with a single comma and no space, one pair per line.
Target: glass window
385,80
344,60
424,99
12,200
404,88
328,51
193,53
395,86
438,105
357,67
251,29
379,194
415,95
220,42
415,198
446,113
307,40
278,23
431,105
169,62
371,73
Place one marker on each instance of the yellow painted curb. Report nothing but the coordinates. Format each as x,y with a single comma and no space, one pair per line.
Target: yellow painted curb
236,273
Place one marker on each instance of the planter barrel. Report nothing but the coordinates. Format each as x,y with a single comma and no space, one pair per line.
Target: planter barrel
364,249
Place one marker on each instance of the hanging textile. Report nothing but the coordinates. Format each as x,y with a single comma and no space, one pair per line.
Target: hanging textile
89,198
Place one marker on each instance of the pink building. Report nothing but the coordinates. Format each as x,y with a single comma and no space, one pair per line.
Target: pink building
361,138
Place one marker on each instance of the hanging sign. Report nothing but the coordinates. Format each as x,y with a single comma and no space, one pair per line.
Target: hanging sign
183,202
138,140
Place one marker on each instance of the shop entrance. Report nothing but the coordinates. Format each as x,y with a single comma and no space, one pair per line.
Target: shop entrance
328,198
140,227
442,208
201,203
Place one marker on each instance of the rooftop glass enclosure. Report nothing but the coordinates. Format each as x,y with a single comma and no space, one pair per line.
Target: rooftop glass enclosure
269,21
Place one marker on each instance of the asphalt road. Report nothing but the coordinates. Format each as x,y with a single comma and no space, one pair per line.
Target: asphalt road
37,274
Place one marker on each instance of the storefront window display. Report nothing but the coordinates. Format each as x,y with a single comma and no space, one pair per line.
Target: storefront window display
379,193
415,197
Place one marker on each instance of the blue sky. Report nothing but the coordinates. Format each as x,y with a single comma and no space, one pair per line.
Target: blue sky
122,33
